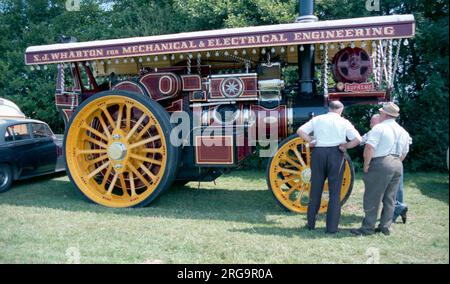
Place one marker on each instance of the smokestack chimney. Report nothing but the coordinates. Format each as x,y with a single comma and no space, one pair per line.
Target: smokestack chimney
306,54
306,11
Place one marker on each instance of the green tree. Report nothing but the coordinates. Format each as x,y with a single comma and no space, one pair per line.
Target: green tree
421,84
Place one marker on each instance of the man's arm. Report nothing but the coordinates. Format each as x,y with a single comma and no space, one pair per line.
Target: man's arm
368,154
304,130
352,134
349,145
304,136
402,157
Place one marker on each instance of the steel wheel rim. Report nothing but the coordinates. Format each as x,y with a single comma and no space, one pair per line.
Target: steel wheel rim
116,151
3,178
289,175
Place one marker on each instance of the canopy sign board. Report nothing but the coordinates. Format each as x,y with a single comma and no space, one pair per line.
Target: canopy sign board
360,29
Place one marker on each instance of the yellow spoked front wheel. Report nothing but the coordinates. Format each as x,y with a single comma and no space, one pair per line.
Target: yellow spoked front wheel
117,149
289,174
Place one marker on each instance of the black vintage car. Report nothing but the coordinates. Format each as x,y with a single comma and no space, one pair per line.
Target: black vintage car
28,148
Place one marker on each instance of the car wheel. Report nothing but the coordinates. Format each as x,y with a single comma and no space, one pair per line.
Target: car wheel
6,177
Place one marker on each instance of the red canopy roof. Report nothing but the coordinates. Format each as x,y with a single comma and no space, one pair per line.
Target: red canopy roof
359,29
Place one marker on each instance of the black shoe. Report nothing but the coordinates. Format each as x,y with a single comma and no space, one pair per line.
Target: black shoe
307,227
403,215
359,232
385,231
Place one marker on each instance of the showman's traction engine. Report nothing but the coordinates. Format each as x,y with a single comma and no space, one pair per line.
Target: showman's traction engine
144,113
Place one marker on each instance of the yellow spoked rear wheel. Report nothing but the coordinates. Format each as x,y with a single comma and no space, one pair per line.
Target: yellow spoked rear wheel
117,149
289,174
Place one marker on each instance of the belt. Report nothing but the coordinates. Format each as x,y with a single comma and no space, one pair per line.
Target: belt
382,157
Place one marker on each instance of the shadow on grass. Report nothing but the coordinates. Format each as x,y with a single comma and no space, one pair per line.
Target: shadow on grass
250,205
435,190
318,233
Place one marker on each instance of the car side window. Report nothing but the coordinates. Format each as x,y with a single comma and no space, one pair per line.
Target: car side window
41,130
17,132
8,135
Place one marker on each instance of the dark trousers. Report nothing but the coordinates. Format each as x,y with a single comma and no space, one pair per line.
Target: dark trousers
326,162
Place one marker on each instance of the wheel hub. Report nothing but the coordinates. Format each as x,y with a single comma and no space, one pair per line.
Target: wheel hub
117,151
306,175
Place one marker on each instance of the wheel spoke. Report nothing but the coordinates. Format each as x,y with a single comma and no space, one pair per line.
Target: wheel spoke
286,180
308,154
299,157
142,132
108,117
119,117
106,176
296,173
146,159
147,171
136,126
112,184
290,161
138,174
97,133
292,189
143,142
118,131
93,151
97,160
152,150
103,124
99,169
123,184
298,200
132,186
128,117
96,142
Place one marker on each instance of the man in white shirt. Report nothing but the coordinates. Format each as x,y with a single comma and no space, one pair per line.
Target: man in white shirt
386,146
401,209
331,132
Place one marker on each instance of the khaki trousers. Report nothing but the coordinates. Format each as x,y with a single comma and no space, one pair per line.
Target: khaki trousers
381,184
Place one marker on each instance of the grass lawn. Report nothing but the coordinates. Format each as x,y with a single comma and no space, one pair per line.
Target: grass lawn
237,220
